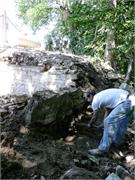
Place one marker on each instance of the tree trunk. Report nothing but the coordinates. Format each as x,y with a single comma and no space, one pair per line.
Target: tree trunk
129,70
110,42
125,85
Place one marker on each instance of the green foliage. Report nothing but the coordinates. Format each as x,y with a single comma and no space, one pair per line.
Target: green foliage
35,13
124,34
86,30
86,24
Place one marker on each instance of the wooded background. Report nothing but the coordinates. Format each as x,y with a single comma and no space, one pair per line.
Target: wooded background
103,29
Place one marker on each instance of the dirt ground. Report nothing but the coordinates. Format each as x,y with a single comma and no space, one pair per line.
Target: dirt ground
36,154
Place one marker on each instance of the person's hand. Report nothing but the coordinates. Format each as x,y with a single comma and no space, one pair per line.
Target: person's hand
89,107
90,124
99,126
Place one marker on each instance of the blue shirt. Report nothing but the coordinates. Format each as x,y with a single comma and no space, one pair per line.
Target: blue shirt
109,98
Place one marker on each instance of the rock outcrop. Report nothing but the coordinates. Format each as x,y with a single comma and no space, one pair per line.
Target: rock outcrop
53,84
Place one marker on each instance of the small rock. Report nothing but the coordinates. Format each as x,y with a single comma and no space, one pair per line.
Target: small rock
79,173
123,173
42,178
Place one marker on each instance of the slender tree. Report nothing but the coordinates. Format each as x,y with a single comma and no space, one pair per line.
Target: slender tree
110,40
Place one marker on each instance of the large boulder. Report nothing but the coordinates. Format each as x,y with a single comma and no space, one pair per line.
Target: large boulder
58,107
54,83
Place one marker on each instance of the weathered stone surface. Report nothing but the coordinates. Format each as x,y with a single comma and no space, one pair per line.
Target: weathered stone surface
33,71
47,87
58,107
65,78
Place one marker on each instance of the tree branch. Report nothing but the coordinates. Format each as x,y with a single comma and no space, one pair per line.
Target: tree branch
129,70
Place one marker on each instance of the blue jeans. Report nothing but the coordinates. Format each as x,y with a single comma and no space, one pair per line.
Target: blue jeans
115,125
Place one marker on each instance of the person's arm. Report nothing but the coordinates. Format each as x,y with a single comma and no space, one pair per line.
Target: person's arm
94,117
107,112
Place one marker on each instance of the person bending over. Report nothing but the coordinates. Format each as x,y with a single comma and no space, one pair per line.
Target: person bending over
118,105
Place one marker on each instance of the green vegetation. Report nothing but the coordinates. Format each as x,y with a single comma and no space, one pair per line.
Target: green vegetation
100,28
